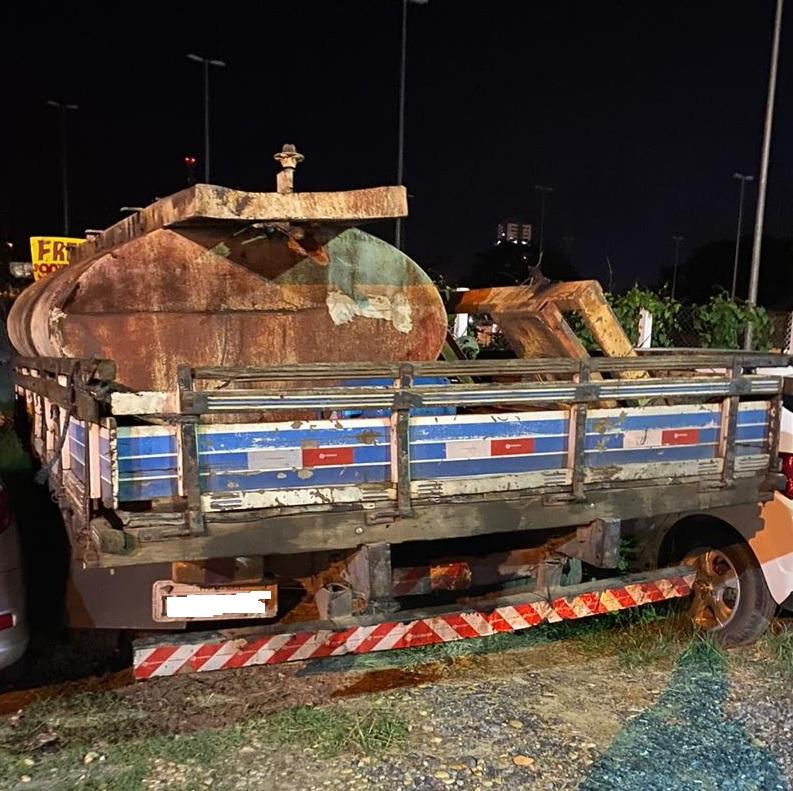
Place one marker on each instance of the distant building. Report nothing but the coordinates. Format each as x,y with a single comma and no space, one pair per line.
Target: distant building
513,232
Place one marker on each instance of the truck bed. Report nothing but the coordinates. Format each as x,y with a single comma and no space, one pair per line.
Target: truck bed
205,471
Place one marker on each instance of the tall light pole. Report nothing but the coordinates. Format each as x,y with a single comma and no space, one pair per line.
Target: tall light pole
743,178
543,192
401,134
206,63
754,277
677,240
64,110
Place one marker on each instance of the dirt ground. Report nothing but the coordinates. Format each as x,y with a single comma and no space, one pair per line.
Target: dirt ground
633,704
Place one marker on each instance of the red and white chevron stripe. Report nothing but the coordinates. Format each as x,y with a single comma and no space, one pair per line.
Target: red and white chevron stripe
416,580
167,659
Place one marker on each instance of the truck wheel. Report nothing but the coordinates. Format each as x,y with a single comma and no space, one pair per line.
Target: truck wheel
731,600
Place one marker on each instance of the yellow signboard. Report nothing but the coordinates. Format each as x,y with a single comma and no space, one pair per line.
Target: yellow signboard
50,253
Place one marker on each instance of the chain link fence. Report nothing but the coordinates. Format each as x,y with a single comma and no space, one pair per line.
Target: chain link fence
782,331
687,332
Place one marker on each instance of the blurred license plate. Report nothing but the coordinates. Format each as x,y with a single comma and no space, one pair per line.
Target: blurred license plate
173,601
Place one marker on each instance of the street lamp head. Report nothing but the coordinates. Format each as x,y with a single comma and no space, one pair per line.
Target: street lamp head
61,106
205,61
742,176
540,188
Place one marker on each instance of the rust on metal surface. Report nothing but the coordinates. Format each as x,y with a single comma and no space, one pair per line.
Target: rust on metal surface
532,319
208,204
217,277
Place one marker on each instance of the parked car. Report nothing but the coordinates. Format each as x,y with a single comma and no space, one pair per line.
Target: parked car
14,632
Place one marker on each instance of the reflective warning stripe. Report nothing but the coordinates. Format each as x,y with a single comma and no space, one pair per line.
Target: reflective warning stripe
184,657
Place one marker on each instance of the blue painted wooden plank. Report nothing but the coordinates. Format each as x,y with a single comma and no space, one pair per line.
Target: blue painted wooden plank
130,490
636,420
291,438
753,416
143,446
489,428
77,468
645,456
423,470
147,464
751,432
751,449
77,431
321,476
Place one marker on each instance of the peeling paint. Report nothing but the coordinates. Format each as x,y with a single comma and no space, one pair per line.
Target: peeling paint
220,249
305,474
396,310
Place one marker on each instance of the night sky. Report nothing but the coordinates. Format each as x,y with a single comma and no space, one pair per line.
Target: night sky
637,113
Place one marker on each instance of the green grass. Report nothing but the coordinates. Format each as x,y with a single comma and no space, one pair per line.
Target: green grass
132,743
637,637
330,730
780,649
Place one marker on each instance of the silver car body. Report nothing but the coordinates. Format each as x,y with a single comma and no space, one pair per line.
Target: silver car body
13,639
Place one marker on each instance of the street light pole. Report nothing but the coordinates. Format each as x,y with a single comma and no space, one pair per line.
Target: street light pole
543,192
754,277
64,109
206,63
676,240
743,179
401,121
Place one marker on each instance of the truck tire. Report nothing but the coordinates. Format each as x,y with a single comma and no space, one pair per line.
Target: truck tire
731,600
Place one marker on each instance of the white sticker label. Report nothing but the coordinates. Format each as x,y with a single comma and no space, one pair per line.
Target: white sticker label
643,438
275,459
468,449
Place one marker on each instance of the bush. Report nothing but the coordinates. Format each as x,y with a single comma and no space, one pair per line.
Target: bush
721,323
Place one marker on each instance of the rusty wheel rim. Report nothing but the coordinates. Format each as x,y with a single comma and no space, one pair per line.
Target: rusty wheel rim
717,589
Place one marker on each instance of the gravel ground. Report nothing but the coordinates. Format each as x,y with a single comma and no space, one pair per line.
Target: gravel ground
556,715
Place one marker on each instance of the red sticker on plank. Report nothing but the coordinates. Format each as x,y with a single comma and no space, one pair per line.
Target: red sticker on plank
327,457
686,436
511,447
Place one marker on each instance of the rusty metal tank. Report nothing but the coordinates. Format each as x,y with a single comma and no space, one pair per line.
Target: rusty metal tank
212,276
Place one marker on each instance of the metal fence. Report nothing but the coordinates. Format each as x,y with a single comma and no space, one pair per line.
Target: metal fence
687,333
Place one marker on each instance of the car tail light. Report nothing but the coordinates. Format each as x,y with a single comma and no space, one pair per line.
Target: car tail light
787,469
6,620
5,509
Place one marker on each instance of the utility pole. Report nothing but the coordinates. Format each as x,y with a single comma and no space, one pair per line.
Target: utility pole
398,240
677,240
206,63
64,110
743,179
543,192
754,277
